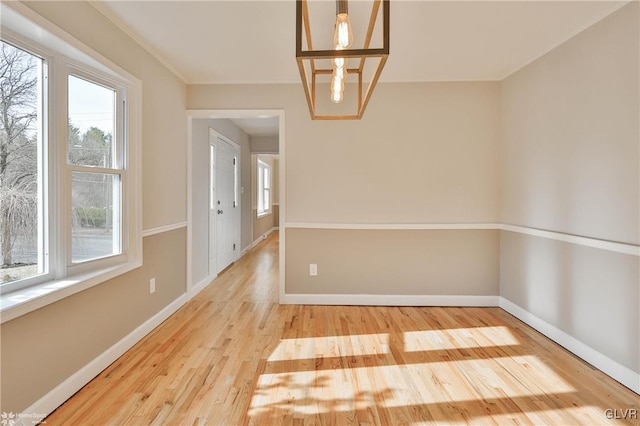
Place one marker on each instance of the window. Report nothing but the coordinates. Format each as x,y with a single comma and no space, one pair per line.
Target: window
94,156
22,179
69,182
264,188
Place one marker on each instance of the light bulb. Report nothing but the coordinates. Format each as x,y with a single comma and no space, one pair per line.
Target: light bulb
339,62
336,97
342,35
337,82
337,88
340,73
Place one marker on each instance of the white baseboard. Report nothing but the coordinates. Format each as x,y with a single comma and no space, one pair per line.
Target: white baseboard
261,238
58,395
200,286
602,362
388,300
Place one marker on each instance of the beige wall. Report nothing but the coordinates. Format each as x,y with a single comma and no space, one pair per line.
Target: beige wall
437,162
588,293
425,262
423,153
570,163
164,199
43,348
46,346
570,155
276,215
265,144
262,225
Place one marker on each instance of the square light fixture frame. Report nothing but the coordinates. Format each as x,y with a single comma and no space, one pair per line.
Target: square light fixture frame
309,81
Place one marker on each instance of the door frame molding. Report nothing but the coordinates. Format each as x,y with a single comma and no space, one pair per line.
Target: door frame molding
192,114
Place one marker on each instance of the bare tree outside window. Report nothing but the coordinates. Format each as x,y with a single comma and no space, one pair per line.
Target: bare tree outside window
19,86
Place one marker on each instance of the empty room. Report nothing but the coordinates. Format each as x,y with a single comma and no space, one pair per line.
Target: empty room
320,212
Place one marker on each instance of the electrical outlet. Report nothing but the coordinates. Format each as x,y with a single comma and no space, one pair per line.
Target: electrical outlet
152,285
313,269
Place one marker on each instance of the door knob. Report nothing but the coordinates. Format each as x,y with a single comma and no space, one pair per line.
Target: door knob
220,212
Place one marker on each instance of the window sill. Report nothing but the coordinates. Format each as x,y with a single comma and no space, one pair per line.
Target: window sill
21,302
261,215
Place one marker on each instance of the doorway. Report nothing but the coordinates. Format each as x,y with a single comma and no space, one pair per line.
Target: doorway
243,130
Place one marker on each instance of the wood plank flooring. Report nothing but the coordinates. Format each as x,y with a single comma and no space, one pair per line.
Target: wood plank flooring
232,356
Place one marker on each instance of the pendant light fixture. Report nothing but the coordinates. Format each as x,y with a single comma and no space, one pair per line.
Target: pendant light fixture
315,65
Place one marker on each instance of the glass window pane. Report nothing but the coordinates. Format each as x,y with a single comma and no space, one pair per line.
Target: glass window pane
91,124
21,176
260,201
95,201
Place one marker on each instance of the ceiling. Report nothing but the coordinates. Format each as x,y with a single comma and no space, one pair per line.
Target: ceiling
240,41
254,41
260,126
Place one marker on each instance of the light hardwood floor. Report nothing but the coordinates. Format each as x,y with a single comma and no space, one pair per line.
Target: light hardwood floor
232,355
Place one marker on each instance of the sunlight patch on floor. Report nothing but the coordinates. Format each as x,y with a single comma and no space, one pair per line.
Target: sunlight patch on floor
331,346
347,389
457,338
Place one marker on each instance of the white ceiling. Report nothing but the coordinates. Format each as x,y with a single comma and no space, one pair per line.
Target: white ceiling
260,126
240,41
254,41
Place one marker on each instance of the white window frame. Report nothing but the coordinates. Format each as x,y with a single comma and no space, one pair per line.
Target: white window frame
262,209
64,56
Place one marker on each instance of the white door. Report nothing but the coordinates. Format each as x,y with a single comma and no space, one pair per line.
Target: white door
224,208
